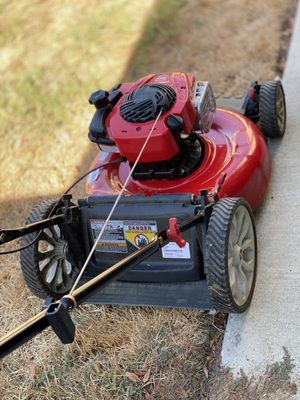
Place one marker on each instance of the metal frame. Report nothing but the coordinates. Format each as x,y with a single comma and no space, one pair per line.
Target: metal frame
68,214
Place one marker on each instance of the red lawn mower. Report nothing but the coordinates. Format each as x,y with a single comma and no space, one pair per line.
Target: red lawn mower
168,220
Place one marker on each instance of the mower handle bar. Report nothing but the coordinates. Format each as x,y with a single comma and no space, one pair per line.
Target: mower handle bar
7,235
57,314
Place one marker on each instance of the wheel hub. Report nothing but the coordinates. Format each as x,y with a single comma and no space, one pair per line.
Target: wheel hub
60,248
55,269
237,254
240,256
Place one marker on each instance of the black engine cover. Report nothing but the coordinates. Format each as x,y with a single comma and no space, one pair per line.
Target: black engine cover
145,103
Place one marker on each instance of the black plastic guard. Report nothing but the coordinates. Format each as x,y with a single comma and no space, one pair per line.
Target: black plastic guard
157,281
166,265
179,294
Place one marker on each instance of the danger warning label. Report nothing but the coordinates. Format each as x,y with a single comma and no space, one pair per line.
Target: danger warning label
113,239
117,233
139,233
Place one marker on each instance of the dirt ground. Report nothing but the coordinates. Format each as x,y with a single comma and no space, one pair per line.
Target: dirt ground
52,55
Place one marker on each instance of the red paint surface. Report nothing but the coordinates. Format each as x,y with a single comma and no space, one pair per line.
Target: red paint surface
234,146
130,137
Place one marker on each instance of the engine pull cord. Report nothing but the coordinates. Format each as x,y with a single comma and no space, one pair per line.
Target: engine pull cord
115,204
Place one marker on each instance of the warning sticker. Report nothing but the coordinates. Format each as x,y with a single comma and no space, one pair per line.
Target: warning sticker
140,233
172,250
113,239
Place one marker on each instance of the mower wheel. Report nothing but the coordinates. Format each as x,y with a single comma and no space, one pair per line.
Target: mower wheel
45,266
231,254
272,109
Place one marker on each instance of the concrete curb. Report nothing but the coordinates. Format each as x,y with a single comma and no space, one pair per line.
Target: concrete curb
256,338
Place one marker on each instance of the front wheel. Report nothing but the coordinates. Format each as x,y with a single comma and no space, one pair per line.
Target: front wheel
231,255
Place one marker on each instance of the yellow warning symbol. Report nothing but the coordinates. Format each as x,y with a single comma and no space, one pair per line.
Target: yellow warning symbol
139,233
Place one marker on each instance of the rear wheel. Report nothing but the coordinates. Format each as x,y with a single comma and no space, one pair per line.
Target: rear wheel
45,265
272,109
231,254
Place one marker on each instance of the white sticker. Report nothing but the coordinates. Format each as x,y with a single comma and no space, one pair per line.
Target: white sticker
113,239
172,250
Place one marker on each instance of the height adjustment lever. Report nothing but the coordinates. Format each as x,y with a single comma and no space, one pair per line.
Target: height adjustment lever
174,234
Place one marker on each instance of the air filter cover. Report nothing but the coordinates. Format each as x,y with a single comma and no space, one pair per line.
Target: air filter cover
145,103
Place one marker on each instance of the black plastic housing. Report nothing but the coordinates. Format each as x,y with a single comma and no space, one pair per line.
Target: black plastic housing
104,103
158,208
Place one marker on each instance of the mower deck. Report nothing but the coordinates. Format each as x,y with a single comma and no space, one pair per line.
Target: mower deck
186,178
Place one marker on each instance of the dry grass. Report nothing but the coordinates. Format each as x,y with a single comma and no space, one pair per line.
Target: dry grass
275,383
227,42
52,55
110,358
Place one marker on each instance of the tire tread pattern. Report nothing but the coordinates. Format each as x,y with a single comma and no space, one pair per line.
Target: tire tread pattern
268,112
29,256
216,255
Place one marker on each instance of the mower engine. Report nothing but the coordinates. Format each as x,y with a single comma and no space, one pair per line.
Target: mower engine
125,115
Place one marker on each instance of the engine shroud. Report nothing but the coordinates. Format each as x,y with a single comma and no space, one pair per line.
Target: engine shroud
130,121
145,103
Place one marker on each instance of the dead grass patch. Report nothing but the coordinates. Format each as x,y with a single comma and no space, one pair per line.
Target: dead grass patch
120,355
275,383
52,55
229,43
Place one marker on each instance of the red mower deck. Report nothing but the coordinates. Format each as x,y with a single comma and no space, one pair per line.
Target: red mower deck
179,179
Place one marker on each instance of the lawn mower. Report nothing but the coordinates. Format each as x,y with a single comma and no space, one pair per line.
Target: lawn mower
168,217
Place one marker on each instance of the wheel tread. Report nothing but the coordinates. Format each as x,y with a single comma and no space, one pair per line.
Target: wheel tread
29,256
267,106
216,254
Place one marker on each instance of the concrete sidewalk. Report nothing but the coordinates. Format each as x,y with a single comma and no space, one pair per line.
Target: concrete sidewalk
256,338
